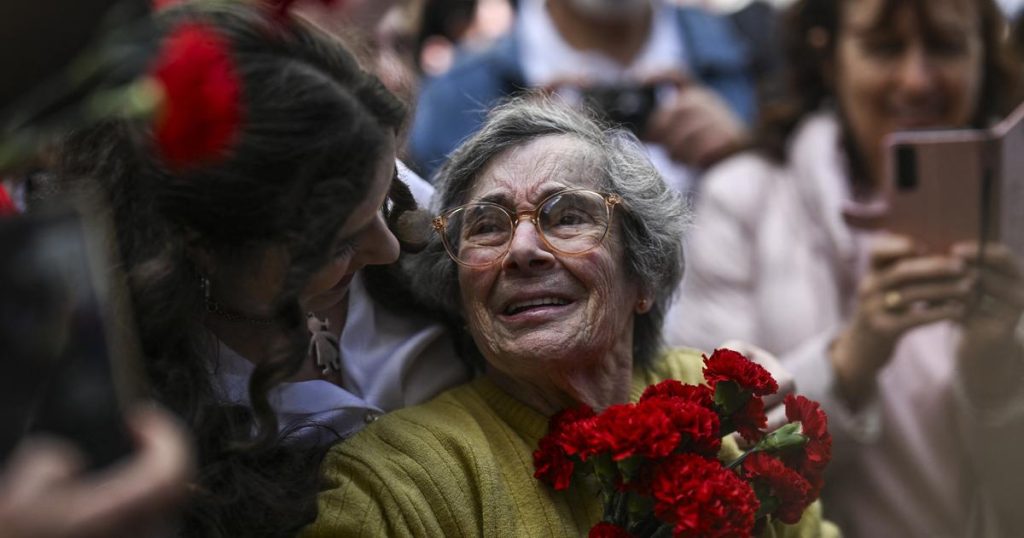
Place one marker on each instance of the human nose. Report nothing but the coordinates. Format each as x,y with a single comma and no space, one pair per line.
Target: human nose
917,72
527,250
380,246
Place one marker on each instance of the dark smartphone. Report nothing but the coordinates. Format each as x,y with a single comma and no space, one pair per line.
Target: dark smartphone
628,105
946,186
65,367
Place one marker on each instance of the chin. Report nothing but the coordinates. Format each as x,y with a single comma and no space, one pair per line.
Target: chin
326,300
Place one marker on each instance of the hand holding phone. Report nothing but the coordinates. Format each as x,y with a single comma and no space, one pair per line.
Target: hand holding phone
949,186
68,364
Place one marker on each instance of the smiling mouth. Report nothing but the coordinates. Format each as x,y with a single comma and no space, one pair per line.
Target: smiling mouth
522,306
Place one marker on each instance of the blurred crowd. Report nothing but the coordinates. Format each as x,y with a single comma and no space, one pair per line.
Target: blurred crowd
290,291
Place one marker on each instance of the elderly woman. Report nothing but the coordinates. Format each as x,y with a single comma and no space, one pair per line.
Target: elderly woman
569,253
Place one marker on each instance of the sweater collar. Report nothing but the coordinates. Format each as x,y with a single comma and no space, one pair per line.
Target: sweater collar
524,420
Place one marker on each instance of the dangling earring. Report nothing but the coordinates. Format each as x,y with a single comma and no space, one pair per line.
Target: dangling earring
323,344
204,286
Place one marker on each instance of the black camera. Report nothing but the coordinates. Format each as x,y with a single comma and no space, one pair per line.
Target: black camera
627,105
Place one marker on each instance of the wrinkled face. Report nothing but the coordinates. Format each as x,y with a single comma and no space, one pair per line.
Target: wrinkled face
363,240
536,309
908,71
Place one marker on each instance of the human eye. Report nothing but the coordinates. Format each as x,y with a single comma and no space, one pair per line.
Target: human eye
882,46
948,46
344,249
569,210
484,225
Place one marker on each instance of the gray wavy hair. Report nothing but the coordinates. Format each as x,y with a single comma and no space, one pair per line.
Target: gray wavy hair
653,216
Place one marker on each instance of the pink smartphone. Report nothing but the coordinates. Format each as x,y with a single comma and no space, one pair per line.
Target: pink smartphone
946,186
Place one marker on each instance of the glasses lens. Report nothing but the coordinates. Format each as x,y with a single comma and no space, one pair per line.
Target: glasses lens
478,233
574,221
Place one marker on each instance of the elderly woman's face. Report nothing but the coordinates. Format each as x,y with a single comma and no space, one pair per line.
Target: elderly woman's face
913,70
536,308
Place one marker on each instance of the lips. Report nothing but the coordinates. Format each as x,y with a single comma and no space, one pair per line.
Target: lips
523,305
344,282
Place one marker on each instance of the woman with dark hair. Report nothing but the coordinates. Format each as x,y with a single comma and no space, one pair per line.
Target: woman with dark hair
922,382
243,272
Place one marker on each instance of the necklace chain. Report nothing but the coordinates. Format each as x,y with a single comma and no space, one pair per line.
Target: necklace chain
214,307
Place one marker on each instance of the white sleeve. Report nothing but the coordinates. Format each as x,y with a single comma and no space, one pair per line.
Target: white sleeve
422,191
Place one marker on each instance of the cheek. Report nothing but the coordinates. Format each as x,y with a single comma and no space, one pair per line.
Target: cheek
474,286
326,277
963,83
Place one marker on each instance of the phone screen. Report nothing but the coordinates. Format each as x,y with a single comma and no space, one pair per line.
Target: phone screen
56,372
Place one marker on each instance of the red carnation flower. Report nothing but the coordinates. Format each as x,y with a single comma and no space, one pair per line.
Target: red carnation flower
810,461
789,490
202,109
608,530
728,365
697,425
701,498
551,464
627,430
568,434
750,420
672,388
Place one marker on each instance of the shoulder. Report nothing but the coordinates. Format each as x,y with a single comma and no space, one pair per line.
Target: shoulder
413,430
683,364
410,473
491,72
714,44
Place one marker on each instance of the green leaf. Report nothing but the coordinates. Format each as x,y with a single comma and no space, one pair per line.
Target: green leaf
784,438
729,397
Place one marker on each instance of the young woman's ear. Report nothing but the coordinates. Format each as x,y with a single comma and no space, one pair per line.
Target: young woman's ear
198,254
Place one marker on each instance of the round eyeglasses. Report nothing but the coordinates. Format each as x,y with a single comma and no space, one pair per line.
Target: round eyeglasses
479,234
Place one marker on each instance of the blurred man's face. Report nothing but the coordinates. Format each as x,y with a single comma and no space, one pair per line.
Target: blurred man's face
610,9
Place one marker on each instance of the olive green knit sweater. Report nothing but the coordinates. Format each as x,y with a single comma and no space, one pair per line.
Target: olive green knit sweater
461,465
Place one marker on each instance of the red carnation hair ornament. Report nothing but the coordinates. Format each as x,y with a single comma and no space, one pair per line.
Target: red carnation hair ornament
202,110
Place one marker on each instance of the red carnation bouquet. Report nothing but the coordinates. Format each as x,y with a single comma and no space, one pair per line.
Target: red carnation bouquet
657,460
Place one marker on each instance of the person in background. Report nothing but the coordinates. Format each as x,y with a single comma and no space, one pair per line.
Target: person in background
240,269
923,383
693,64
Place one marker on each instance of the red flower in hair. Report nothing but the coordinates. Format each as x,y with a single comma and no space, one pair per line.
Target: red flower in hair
728,365
810,461
790,493
7,207
202,109
701,498
608,530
